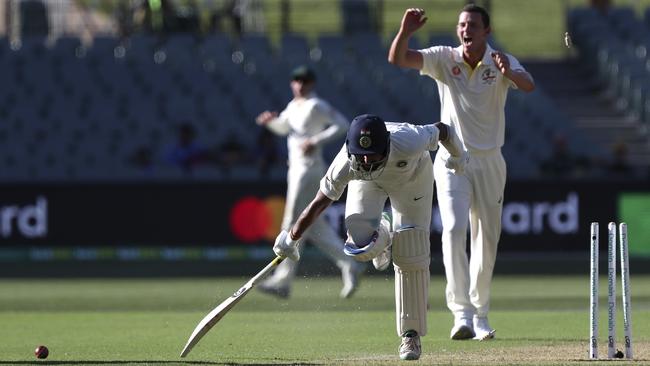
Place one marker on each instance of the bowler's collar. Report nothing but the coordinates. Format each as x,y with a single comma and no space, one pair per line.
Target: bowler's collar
487,56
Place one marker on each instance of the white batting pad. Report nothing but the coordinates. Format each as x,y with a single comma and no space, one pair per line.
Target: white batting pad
411,259
367,251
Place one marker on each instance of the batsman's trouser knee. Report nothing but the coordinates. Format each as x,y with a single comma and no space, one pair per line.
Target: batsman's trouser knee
369,249
411,259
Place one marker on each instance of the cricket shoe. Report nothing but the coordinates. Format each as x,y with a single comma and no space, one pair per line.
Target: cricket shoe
410,349
463,329
350,273
270,288
483,329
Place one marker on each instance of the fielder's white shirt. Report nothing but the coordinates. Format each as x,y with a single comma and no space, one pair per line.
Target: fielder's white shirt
309,118
473,101
409,144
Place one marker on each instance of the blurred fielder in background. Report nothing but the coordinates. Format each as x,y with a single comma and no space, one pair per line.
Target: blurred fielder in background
382,161
473,81
310,123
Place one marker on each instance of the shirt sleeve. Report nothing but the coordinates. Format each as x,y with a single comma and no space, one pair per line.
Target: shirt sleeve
431,61
337,177
515,66
412,140
428,135
280,125
338,124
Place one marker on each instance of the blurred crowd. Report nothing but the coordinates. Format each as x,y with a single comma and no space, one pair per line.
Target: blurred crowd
189,152
562,163
166,16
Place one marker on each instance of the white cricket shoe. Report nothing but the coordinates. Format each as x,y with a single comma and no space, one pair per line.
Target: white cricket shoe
463,329
410,349
483,329
350,273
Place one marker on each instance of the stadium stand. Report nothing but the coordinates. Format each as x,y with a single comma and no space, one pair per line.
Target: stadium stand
617,40
77,111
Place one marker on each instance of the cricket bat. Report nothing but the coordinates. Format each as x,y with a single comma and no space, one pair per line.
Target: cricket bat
220,311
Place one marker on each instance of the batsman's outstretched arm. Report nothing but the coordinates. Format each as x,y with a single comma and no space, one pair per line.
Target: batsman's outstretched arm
287,242
309,215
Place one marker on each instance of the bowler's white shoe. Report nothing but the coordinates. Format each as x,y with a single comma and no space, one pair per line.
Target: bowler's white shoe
410,349
463,329
483,329
350,273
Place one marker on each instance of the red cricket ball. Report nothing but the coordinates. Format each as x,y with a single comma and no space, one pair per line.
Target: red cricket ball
41,352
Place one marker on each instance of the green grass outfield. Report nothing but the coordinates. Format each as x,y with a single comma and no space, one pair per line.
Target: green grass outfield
539,321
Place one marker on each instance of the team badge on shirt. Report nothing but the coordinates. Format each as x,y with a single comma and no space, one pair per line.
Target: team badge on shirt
489,76
455,70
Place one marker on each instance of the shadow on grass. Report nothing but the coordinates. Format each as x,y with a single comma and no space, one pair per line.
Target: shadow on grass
147,362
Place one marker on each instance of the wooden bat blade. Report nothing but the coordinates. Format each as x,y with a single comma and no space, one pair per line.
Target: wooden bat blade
213,318
222,309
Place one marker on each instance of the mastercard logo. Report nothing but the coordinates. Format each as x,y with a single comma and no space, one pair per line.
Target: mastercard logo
253,219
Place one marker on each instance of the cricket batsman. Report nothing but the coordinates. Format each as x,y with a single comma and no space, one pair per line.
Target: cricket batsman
380,161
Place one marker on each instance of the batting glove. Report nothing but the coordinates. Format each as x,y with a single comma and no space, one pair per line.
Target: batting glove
286,247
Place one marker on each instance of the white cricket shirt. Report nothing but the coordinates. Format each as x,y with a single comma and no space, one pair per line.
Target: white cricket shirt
473,101
409,144
308,118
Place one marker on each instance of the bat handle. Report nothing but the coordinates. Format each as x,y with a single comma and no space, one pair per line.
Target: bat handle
265,272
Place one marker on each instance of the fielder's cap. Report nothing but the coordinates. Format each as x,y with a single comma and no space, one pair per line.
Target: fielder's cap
367,135
303,73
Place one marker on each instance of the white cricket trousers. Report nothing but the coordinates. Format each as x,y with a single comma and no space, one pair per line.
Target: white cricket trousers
477,194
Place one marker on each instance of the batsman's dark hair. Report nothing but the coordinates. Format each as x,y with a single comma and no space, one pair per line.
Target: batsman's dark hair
473,8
